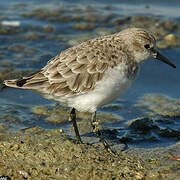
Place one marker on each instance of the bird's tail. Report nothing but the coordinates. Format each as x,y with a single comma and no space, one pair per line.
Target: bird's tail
33,82
11,83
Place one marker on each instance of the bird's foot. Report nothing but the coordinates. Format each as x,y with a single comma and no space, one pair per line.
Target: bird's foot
106,145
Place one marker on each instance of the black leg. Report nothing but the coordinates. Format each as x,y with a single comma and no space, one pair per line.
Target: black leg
73,119
2,86
100,136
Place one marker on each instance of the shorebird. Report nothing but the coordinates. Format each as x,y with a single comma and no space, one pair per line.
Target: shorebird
93,73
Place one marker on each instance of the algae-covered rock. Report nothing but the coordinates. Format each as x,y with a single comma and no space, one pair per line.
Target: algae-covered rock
160,104
32,37
84,26
52,115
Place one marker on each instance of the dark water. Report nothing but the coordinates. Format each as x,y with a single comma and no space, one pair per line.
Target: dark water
32,54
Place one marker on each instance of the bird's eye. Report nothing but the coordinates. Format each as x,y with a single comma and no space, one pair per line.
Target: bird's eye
147,46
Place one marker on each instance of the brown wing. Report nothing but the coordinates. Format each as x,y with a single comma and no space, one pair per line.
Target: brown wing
75,71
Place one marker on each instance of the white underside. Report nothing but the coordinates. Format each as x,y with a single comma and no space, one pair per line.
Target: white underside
114,84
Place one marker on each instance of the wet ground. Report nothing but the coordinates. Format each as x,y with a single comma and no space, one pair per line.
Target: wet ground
146,118
47,154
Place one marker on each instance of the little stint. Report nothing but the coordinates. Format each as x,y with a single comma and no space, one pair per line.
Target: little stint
93,73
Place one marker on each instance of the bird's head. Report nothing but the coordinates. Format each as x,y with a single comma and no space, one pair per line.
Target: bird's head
142,45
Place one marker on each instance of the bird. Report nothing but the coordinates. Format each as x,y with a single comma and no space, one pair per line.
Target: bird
93,73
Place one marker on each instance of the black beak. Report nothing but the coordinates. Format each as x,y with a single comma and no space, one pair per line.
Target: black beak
164,59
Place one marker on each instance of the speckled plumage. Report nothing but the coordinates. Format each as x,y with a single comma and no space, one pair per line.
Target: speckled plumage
93,73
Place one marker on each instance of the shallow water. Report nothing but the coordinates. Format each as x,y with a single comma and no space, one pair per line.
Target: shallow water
27,48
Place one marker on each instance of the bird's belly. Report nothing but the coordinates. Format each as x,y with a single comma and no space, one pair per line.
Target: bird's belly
106,91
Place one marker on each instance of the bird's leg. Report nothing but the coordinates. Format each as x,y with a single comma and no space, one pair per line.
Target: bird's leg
73,119
2,86
99,134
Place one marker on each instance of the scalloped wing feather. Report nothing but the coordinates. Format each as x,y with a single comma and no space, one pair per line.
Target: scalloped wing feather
76,70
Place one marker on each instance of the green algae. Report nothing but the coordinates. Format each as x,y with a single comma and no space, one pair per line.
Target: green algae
84,26
160,104
32,36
